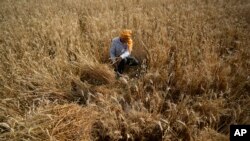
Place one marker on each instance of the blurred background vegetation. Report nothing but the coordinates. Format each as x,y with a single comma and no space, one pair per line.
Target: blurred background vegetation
56,82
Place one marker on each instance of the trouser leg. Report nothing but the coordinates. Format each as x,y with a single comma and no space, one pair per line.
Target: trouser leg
121,66
132,61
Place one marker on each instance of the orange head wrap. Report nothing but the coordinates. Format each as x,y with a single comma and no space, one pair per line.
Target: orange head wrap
125,35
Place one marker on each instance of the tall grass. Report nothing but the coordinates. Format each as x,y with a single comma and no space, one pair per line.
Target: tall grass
56,82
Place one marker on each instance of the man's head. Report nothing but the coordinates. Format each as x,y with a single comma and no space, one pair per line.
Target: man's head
125,37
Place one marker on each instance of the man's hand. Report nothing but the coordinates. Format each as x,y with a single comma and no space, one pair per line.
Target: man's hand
118,59
116,62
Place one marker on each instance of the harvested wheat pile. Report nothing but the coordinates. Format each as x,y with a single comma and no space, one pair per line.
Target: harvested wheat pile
56,84
97,74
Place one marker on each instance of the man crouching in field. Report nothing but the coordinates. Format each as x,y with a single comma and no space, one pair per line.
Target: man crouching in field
120,52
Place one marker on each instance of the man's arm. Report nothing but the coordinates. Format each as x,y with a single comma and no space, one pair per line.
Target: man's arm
112,52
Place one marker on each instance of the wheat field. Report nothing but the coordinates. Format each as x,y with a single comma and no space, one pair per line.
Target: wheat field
57,83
